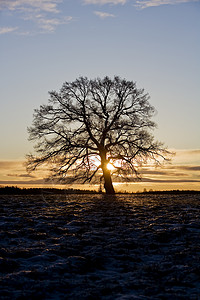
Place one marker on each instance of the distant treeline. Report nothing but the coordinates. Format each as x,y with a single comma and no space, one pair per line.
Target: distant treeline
171,192
12,190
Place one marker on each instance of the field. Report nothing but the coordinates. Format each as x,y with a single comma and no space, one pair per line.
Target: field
140,246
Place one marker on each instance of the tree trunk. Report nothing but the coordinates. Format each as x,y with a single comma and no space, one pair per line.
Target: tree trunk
106,173
107,181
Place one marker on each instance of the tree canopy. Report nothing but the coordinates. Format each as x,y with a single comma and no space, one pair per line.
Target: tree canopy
89,124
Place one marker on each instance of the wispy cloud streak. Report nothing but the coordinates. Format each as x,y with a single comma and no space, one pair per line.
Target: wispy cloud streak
102,2
26,175
4,30
103,15
30,5
37,12
141,4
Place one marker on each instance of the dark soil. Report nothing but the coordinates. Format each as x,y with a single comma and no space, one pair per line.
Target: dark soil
99,247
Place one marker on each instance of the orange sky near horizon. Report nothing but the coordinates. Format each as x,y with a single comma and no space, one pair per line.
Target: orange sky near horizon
182,173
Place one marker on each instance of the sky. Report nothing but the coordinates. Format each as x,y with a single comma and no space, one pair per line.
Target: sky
155,43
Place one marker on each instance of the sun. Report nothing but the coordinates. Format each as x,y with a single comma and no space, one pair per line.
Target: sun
110,167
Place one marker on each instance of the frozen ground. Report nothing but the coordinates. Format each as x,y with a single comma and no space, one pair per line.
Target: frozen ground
97,247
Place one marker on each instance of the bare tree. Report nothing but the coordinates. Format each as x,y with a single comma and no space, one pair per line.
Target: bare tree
88,121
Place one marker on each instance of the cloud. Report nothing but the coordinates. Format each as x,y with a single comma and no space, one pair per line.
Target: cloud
4,164
102,2
37,12
21,183
103,15
48,24
21,175
170,180
187,157
186,168
190,152
141,4
166,172
4,30
30,5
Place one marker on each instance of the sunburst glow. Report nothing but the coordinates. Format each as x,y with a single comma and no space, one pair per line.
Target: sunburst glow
110,167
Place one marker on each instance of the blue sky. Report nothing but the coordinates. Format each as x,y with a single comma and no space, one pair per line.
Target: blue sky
153,42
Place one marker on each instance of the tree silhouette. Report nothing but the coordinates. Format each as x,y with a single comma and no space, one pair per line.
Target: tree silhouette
90,121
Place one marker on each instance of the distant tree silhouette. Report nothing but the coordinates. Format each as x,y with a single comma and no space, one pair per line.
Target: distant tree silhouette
90,121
